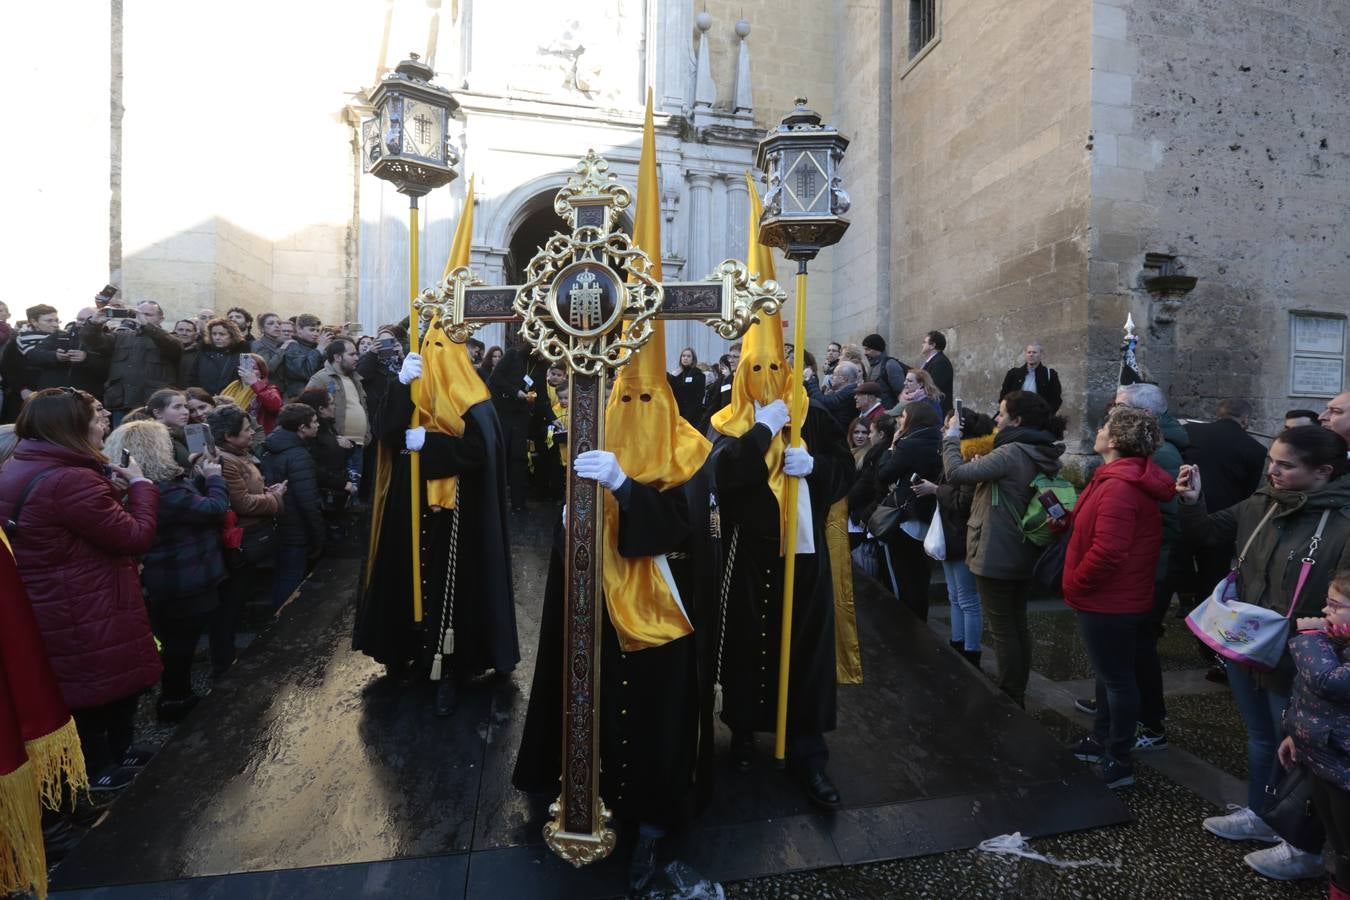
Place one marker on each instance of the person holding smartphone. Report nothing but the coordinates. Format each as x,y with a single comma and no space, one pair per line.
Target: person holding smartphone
183,570
1108,579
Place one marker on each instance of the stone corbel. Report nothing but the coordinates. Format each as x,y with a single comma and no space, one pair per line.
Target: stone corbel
1167,287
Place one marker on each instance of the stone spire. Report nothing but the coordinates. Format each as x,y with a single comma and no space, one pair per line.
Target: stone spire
744,104
705,92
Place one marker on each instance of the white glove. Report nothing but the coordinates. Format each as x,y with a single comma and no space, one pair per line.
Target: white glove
411,368
415,438
774,416
797,462
601,466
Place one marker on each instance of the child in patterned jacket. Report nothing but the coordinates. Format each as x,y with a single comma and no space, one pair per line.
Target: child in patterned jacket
1318,722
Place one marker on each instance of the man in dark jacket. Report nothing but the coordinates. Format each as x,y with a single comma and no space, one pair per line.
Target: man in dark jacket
141,360
514,391
1233,464
839,400
884,370
303,356
18,369
1034,376
939,367
63,360
301,529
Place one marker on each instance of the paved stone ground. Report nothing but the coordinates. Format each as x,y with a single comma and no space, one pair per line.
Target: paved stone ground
1163,853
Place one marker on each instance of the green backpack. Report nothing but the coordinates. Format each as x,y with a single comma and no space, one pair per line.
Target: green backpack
1035,521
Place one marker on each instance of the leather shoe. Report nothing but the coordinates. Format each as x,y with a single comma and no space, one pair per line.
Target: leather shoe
743,751
820,790
171,711
643,865
445,696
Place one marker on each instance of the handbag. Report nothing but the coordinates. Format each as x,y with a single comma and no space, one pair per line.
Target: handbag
935,542
892,512
867,557
1289,810
1244,632
1049,569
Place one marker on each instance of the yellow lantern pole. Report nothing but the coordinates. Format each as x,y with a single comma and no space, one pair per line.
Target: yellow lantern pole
415,462
797,411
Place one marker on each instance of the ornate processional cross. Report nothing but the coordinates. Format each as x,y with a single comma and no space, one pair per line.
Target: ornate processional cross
575,310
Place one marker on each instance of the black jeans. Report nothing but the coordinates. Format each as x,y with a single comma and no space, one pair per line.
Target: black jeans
1333,808
1119,645
1148,675
105,732
913,572
179,636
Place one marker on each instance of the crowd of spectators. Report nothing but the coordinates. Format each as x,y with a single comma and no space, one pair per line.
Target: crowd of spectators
161,481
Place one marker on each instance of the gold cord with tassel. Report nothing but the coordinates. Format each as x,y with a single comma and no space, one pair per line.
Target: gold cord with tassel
447,647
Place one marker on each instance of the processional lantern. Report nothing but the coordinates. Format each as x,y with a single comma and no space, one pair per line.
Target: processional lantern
407,143
803,212
804,208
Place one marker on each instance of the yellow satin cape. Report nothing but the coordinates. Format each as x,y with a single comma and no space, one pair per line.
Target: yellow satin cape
448,387
655,446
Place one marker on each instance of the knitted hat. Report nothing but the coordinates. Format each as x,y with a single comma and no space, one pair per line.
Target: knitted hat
875,342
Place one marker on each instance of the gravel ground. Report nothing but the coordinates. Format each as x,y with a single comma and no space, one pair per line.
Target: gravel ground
1059,654
1209,726
1163,853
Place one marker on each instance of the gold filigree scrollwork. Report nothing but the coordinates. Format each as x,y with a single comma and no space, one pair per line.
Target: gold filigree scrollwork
641,304
445,301
580,849
592,185
752,299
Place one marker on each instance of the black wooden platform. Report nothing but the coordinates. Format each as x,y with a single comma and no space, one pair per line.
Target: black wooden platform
307,774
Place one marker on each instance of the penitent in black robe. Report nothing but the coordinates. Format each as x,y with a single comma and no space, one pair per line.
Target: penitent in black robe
484,612
655,704
749,516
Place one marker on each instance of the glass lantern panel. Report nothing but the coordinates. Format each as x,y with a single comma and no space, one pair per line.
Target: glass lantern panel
370,143
391,125
425,130
806,184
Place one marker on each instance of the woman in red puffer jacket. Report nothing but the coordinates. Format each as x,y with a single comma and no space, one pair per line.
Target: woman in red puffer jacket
76,547
1108,578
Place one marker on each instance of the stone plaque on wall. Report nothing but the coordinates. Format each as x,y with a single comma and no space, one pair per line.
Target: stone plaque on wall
1319,334
1317,376
1317,357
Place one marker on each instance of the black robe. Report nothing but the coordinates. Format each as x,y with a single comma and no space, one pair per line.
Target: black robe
484,612
655,704
749,512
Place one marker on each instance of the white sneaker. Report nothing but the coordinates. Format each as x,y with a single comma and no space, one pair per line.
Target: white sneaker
1241,825
1285,862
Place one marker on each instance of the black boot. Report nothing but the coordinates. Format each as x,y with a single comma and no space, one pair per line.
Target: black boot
743,750
643,864
819,789
445,696
972,657
958,646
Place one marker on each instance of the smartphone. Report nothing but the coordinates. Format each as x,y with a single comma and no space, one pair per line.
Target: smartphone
915,478
117,312
248,362
63,342
386,348
956,404
126,457
1053,508
199,440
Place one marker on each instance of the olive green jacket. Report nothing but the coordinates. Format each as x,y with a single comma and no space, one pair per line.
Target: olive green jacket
1270,571
995,545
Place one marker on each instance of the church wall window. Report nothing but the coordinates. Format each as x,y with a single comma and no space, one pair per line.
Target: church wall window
923,26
